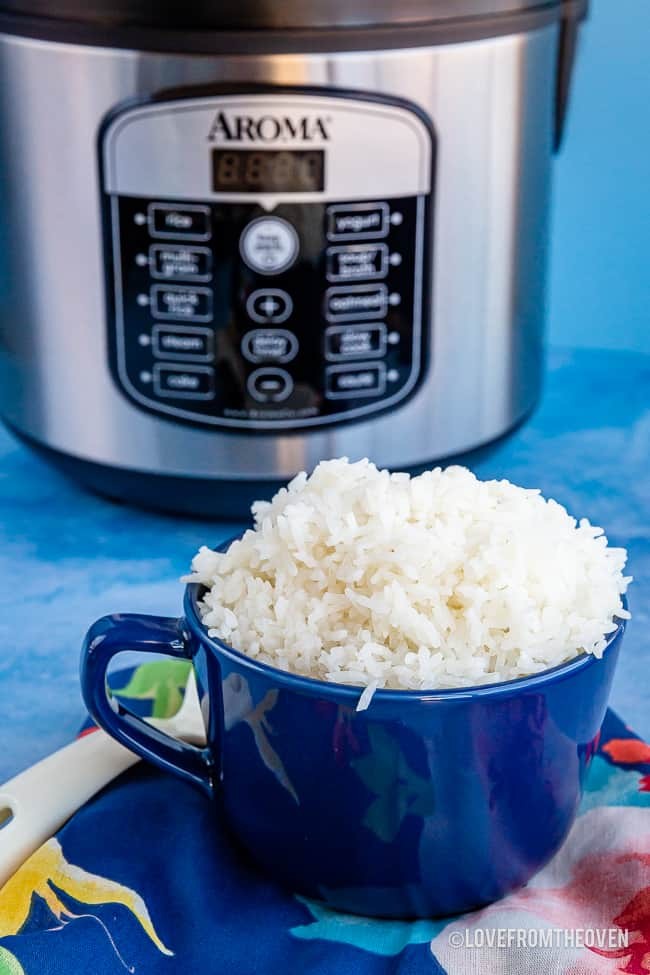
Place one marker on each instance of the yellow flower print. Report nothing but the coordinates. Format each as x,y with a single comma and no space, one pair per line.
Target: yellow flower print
45,873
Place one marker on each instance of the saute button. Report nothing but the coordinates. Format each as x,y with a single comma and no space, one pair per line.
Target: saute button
348,382
193,382
270,385
192,304
274,343
269,245
171,342
167,220
357,221
357,261
169,262
269,306
355,341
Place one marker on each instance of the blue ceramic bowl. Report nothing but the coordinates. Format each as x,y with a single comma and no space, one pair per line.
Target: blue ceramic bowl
427,804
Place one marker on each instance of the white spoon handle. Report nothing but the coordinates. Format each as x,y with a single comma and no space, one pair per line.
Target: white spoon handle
38,801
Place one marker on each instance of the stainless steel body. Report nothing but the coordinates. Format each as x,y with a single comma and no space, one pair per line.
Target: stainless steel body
491,102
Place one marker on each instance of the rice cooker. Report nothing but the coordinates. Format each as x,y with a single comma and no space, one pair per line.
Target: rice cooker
241,237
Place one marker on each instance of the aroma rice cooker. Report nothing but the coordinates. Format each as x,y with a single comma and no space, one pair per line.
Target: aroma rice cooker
241,237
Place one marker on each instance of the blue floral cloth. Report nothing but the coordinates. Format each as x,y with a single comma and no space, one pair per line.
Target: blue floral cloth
140,881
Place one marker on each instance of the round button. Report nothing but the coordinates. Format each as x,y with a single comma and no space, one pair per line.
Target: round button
270,385
269,245
269,306
269,343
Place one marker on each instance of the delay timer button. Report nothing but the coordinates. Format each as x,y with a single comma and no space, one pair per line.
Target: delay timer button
269,245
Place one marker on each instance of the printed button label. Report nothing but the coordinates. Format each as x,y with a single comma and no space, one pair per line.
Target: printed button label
357,221
190,383
192,304
360,301
169,262
182,343
357,261
276,344
269,245
185,220
355,341
348,382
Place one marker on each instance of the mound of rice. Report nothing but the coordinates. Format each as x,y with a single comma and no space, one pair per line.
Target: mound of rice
363,577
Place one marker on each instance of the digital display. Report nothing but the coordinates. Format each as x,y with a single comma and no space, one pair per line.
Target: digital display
268,170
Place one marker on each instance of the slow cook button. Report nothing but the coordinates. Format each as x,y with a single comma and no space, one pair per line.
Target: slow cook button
193,382
185,220
182,343
191,304
357,261
263,344
270,385
172,262
357,221
355,341
346,382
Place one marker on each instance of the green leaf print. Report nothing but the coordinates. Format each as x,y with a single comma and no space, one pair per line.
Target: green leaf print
9,964
162,682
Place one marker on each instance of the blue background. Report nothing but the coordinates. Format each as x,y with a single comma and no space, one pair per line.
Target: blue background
600,258
67,557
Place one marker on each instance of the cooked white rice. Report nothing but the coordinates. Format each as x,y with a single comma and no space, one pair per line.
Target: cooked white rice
363,577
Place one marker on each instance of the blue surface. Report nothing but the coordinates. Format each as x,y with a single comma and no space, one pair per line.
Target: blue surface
67,557
483,782
600,286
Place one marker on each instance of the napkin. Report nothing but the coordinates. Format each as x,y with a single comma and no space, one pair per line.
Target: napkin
140,880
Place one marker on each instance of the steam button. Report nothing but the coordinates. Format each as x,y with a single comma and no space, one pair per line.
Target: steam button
269,245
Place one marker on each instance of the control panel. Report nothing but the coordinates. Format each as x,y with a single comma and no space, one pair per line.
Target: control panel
268,256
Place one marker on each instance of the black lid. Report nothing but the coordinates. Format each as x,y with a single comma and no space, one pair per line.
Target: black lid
253,26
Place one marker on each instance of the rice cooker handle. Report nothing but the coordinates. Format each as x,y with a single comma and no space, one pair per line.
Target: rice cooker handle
112,635
573,13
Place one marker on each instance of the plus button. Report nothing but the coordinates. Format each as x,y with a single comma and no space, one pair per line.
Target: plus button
269,306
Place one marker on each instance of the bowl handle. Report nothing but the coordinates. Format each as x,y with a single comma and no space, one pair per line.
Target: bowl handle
106,638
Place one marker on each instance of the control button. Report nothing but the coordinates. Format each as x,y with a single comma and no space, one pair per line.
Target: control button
185,220
357,301
357,221
270,385
188,344
348,382
262,344
192,382
169,262
355,341
269,306
192,304
269,245
357,261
